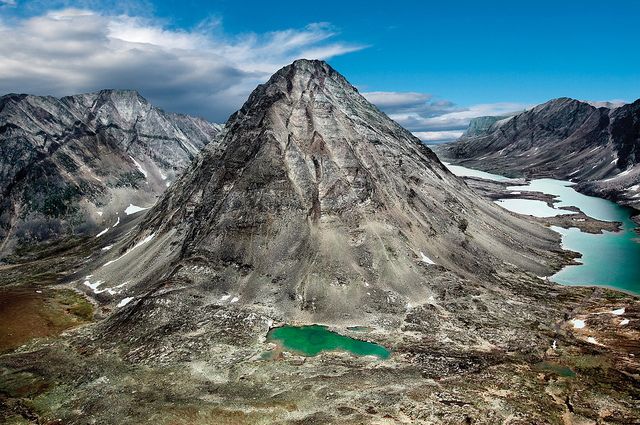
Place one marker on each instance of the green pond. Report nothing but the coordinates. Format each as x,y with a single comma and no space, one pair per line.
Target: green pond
610,259
313,339
559,370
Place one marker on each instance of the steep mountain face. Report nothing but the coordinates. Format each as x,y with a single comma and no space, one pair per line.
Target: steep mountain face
316,206
73,165
480,125
564,139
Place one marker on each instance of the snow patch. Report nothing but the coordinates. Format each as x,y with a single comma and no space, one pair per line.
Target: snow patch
124,301
142,170
618,312
425,259
102,233
234,300
624,322
94,286
132,209
577,323
117,222
592,340
225,297
99,213
107,248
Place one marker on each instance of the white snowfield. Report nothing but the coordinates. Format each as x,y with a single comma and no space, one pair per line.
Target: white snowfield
132,209
426,259
142,170
577,323
124,301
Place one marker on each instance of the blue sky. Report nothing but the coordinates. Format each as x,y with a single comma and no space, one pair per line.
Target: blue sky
431,65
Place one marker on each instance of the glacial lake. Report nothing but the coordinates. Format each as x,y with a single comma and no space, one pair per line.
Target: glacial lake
312,340
468,172
610,259
531,207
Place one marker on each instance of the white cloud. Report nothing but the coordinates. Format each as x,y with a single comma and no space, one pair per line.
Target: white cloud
388,100
437,136
200,71
9,3
435,120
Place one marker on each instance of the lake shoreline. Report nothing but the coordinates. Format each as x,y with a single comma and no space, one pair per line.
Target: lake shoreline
599,236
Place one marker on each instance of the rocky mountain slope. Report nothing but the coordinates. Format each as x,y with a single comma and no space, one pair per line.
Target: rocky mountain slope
74,165
596,147
316,206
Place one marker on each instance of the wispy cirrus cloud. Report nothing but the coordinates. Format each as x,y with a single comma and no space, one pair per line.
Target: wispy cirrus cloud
435,120
200,71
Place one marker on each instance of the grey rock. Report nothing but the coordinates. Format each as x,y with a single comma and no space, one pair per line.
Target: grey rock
564,138
72,165
317,206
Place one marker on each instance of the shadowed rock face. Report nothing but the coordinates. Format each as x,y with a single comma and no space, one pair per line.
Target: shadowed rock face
317,206
565,139
72,165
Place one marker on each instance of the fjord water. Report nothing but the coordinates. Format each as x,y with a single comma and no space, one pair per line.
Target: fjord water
311,340
609,259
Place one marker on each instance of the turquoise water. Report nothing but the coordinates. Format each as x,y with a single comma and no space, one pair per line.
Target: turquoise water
468,172
312,340
531,207
592,206
610,259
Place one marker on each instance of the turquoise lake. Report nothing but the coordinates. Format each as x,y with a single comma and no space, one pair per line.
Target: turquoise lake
610,259
312,340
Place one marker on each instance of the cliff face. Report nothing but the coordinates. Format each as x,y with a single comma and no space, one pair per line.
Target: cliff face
481,124
73,165
564,139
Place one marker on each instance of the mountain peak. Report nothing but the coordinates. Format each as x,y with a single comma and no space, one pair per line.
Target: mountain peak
313,199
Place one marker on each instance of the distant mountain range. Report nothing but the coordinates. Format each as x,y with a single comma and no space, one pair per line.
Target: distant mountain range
74,165
597,147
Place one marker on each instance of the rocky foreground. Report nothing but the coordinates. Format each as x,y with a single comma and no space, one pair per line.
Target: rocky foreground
314,207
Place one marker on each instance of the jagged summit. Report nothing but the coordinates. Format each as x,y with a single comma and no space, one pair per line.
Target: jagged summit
316,206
